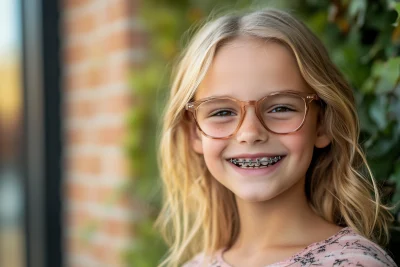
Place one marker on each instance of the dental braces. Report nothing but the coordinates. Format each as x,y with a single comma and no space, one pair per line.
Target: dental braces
256,163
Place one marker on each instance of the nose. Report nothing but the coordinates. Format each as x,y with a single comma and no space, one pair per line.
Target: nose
251,130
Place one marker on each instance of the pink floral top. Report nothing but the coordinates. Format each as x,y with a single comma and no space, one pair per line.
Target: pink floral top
345,248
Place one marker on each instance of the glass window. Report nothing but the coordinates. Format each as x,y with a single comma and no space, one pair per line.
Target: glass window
12,238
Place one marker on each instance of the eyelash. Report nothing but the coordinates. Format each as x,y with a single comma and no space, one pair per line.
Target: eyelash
215,114
281,107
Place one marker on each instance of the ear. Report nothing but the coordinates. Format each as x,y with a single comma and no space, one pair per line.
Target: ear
322,139
196,138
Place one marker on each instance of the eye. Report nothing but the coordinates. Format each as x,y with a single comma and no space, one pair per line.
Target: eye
222,113
280,109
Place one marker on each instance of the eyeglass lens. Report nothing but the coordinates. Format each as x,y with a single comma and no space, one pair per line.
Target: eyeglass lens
281,113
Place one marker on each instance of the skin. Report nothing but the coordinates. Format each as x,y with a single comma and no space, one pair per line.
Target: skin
276,220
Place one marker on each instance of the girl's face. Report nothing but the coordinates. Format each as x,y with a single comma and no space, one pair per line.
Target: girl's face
249,69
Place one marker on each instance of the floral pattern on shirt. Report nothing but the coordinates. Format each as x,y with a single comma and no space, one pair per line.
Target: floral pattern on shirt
344,249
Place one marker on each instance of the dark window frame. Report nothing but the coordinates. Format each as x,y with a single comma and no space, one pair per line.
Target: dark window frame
42,127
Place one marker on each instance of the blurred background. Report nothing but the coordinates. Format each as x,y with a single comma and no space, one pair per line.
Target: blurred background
82,87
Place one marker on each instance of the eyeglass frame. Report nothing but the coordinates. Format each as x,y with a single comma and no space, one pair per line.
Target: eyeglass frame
307,98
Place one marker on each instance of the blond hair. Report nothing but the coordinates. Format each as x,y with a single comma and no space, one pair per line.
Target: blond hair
199,214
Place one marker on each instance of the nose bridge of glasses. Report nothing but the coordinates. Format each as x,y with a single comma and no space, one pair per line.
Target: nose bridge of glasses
248,104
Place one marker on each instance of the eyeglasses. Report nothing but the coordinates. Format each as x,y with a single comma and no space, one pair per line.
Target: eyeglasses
278,112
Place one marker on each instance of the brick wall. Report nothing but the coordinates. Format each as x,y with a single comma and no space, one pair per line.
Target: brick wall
102,45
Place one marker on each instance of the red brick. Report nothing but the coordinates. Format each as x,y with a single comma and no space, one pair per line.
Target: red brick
77,192
71,4
118,76
118,103
117,166
82,109
117,228
75,53
119,9
111,195
111,135
123,39
81,24
91,78
74,81
107,255
77,219
75,246
84,164
76,136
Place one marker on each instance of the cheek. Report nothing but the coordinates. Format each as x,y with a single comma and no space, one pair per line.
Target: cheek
213,153
301,143
213,149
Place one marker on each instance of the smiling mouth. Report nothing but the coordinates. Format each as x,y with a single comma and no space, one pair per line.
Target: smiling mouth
256,163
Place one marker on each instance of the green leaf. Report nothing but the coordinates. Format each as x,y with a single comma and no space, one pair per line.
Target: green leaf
389,76
357,10
394,110
368,86
396,6
386,74
381,147
378,112
363,107
318,22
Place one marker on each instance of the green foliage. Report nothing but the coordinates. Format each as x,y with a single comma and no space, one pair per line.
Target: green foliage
376,39
148,248
363,39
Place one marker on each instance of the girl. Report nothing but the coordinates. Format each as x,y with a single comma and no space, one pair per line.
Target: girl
260,156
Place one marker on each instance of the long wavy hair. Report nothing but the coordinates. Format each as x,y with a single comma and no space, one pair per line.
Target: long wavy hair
200,214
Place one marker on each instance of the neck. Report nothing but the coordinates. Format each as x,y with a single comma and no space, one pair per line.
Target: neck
276,222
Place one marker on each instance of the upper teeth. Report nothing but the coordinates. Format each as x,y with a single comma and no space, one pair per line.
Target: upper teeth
255,162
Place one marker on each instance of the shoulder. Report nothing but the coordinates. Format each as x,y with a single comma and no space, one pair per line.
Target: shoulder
360,250
351,249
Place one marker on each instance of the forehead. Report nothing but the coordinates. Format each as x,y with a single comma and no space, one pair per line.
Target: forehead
248,68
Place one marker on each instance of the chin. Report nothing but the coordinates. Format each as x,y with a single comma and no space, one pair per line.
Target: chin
254,196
